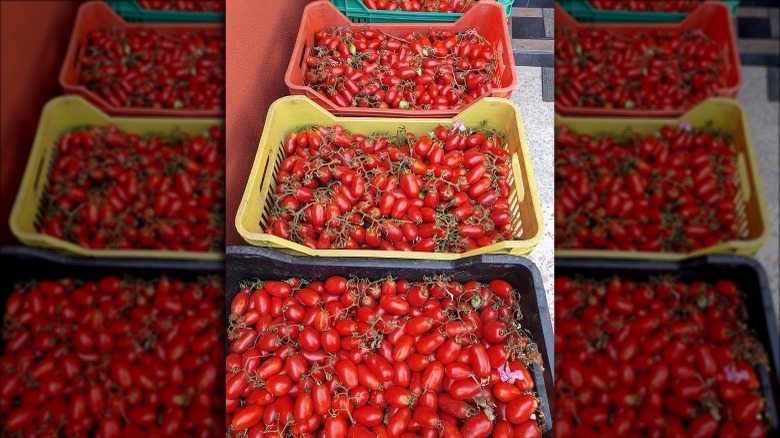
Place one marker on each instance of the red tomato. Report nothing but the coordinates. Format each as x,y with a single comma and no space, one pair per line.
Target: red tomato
336,427
521,408
347,373
478,426
368,415
479,360
246,417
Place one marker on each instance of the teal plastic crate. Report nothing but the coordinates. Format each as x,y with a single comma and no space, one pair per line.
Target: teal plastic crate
132,12
583,11
357,12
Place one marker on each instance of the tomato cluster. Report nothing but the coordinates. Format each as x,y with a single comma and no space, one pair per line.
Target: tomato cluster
445,191
109,189
112,358
371,69
355,357
184,5
657,69
421,5
647,6
673,190
655,358
145,68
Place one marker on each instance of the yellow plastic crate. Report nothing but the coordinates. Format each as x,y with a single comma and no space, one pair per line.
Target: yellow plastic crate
63,114
290,113
726,115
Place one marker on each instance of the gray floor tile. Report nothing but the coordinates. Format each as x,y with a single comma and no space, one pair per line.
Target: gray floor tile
763,116
538,126
549,22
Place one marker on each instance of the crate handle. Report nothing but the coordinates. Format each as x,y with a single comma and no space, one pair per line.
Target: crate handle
518,178
39,173
266,167
79,52
744,176
302,62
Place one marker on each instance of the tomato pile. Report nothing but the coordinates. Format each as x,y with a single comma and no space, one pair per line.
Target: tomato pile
341,357
112,358
647,6
662,70
656,358
421,5
145,68
184,5
673,190
371,69
445,191
109,189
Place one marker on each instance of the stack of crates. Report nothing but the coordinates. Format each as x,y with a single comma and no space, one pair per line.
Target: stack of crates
272,257
83,107
730,260
58,268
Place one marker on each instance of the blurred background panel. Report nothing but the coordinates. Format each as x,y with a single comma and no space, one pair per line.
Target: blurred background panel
758,40
34,40
259,43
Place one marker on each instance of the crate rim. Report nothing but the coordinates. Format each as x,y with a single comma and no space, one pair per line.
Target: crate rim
111,262
663,25
593,15
357,9
132,10
250,252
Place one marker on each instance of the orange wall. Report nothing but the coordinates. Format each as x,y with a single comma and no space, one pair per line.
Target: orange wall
260,38
34,39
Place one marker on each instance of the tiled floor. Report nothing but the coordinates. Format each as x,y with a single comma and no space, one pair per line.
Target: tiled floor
532,40
758,30
538,125
763,116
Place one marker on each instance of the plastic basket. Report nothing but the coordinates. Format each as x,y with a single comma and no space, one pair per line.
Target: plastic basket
583,11
728,116
247,263
97,15
132,12
65,113
486,17
358,12
745,272
711,17
292,112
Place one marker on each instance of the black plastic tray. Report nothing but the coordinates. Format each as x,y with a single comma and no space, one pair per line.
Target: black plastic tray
245,263
745,272
22,263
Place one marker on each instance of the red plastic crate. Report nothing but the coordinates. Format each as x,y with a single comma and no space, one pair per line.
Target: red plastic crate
713,18
486,17
97,15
